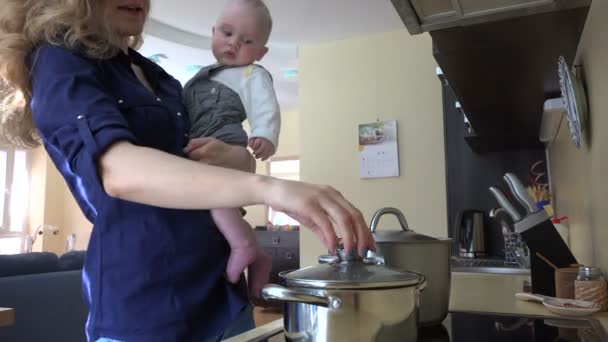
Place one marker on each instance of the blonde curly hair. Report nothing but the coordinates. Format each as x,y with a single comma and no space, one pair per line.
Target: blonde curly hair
25,24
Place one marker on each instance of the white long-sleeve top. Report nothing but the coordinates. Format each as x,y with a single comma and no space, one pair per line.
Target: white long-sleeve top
254,86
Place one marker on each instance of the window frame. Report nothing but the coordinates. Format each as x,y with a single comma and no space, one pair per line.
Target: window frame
5,230
267,173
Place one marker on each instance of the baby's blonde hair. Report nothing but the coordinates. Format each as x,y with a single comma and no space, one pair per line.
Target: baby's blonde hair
24,25
262,12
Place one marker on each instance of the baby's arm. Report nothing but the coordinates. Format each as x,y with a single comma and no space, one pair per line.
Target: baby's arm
263,112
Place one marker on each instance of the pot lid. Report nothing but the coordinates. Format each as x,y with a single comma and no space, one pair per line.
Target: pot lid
337,272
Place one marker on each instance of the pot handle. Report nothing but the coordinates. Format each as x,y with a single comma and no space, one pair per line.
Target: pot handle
394,211
277,292
422,285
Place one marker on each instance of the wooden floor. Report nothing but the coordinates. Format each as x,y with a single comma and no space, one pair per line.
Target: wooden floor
264,316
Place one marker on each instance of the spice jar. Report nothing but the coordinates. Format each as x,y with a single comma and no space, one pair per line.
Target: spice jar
590,285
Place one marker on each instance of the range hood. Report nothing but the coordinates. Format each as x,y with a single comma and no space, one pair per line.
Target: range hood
500,59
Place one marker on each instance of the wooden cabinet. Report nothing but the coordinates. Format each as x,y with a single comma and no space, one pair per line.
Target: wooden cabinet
284,249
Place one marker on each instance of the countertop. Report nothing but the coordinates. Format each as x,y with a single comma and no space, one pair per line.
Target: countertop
470,292
7,317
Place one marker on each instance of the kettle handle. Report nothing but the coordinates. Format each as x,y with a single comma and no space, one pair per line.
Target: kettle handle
277,292
393,211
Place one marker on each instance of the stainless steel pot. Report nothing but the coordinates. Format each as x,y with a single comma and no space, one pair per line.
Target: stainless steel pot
406,250
349,299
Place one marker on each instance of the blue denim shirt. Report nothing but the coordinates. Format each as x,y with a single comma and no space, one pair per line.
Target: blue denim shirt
151,274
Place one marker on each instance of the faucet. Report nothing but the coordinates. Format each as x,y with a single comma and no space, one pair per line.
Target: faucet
494,212
394,211
515,250
506,227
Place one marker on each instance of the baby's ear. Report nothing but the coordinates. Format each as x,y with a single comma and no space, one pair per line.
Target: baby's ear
262,53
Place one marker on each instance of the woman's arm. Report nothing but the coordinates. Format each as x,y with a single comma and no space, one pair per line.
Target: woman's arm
148,176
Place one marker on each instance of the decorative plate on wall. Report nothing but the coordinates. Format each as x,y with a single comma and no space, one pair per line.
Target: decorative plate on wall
575,100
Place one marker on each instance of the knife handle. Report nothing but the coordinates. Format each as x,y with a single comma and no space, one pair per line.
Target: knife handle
520,193
505,204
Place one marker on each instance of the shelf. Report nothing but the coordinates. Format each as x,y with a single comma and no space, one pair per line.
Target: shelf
502,72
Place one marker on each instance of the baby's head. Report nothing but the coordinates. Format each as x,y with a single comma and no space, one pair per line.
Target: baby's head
241,32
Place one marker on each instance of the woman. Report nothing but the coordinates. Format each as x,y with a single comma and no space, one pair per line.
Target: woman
114,126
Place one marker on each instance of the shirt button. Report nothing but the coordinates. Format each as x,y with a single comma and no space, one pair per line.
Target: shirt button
213,90
179,114
121,101
158,99
186,135
80,117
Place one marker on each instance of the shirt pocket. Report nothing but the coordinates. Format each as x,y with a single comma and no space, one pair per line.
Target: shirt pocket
154,125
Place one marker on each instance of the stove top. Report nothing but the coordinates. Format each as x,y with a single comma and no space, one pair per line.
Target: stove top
484,327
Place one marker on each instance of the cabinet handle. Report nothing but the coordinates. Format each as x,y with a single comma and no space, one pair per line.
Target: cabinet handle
275,240
289,255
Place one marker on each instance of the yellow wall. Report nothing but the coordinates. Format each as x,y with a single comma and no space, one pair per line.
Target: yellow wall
345,83
579,175
51,203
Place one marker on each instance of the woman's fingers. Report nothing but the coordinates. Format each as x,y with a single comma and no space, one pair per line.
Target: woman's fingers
341,219
358,226
318,221
325,211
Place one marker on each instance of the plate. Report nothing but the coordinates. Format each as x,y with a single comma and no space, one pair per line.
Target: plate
560,306
575,103
570,307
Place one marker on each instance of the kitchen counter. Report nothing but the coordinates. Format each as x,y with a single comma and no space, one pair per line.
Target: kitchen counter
7,317
470,292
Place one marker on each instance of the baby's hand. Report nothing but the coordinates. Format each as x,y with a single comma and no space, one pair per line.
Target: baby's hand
262,148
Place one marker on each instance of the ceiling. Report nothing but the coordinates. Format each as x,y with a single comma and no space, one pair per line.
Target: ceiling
180,29
295,21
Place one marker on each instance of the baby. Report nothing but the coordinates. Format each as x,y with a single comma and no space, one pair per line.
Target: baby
219,98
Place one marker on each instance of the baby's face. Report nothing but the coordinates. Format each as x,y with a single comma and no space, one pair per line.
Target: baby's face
238,37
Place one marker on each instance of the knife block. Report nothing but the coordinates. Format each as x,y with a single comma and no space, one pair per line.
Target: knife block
544,239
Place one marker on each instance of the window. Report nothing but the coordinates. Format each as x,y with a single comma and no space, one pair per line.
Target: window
288,168
14,185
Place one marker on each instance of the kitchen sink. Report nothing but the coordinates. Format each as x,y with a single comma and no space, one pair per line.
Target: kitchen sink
485,266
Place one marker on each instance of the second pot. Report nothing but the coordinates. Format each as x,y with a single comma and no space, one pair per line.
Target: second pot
404,249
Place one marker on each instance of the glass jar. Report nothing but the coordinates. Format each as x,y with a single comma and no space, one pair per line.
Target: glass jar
589,273
590,285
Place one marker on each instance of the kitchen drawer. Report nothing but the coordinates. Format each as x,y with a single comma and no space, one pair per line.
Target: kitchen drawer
284,249
267,238
286,259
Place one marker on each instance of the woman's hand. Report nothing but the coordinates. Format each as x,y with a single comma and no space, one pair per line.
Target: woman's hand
216,152
321,208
